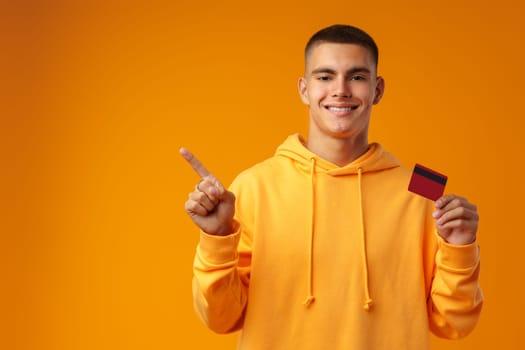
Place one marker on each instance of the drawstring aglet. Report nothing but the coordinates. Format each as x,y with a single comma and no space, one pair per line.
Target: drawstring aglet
368,304
309,300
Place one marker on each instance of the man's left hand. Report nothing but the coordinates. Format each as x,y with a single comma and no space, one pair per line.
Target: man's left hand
456,219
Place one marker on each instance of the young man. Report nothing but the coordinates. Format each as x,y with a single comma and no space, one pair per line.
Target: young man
322,246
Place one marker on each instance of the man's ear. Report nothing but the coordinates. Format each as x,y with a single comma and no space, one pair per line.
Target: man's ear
380,89
303,91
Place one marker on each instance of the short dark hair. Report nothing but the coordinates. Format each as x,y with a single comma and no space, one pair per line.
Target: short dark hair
343,34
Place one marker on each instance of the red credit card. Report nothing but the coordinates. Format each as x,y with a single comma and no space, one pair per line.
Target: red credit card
427,182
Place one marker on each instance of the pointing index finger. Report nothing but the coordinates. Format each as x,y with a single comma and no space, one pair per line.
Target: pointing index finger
194,162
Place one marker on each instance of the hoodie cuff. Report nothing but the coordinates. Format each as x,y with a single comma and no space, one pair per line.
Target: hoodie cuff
219,249
459,256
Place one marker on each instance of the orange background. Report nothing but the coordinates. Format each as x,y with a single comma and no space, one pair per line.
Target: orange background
97,99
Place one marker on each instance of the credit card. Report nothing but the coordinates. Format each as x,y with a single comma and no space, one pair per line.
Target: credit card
427,182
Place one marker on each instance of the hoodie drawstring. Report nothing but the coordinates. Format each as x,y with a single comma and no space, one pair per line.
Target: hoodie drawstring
310,298
368,300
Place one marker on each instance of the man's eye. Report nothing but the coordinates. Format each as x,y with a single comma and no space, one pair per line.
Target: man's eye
323,77
357,77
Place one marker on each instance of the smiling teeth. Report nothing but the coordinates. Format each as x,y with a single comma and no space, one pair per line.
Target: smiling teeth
341,109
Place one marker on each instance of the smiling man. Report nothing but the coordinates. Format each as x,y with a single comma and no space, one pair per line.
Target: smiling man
322,246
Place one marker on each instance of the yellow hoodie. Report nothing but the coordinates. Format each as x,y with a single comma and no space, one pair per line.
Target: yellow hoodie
330,257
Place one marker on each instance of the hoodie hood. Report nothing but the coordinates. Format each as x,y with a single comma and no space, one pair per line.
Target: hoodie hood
373,160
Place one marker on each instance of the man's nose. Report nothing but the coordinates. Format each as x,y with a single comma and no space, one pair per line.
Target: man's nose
342,88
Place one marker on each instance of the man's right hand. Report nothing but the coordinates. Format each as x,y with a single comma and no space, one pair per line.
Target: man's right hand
210,205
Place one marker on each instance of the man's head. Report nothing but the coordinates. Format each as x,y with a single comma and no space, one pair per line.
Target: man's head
343,34
340,84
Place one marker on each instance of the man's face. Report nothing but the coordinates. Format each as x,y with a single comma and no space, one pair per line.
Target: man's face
340,86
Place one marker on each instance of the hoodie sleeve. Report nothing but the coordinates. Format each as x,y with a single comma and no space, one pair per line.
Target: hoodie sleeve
221,275
455,299
220,281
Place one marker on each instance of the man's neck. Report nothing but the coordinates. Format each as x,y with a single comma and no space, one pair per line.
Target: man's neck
338,151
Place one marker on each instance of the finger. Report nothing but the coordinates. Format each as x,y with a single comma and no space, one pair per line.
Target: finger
212,187
459,202
194,162
451,201
458,213
444,200
462,224
200,197
194,208
448,199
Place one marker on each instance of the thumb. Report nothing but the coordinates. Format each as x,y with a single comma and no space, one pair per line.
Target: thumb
223,194
228,197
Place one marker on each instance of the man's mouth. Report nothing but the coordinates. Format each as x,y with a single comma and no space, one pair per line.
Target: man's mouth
341,109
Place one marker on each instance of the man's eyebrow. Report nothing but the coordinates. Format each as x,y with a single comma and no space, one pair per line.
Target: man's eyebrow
323,70
332,71
359,70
